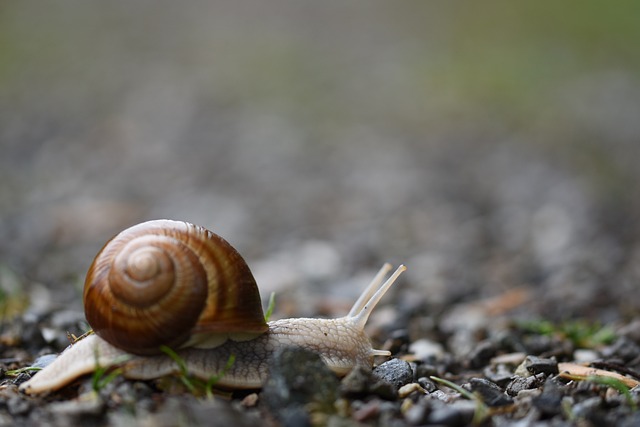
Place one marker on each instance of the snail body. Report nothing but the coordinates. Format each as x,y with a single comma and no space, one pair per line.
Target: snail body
148,264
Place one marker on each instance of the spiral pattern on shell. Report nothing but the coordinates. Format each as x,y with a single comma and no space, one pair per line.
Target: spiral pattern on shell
159,282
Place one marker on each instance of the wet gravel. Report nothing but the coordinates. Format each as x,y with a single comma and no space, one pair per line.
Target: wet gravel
322,141
512,377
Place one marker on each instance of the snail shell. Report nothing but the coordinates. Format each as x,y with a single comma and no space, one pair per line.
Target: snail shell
171,283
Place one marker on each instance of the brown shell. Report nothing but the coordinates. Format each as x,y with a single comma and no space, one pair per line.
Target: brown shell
159,282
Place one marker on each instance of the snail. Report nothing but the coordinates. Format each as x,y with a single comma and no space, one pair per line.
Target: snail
175,284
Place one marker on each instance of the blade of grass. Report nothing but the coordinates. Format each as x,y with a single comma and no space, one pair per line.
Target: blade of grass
270,307
195,385
607,381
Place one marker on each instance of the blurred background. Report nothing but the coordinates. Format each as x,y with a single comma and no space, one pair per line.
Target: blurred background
490,146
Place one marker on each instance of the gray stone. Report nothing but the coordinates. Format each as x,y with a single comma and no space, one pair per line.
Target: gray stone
395,371
298,378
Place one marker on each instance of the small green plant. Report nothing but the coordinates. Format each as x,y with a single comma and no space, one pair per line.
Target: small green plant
581,333
193,384
16,372
617,385
270,307
611,382
103,375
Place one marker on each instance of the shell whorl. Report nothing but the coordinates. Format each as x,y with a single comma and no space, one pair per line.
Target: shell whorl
162,282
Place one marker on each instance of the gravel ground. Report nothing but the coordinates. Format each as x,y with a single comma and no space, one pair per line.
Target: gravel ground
492,150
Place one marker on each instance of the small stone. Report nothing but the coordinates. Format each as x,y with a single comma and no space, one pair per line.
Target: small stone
443,396
623,348
481,354
298,378
424,349
356,383
584,355
549,402
427,384
631,331
383,390
31,336
632,421
17,405
22,377
418,414
87,404
368,411
396,372
360,382
529,393
398,341
66,319
499,374
294,417
536,365
250,400
491,394
519,384
426,370
458,413
44,360
389,413
187,410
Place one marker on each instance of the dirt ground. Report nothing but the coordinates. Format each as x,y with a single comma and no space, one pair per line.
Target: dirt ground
491,148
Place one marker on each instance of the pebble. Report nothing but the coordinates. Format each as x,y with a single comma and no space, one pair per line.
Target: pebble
427,370
458,413
383,390
367,411
418,414
536,365
481,354
631,331
187,410
128,393
72,412
427,384
360,382
250,400
424,349
16,405
31,335
22,377
623,348
444,396
632,421
519,384
44,360
549,402
356,383
395,371
490,393
584,355
499,374
398,341
298,378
